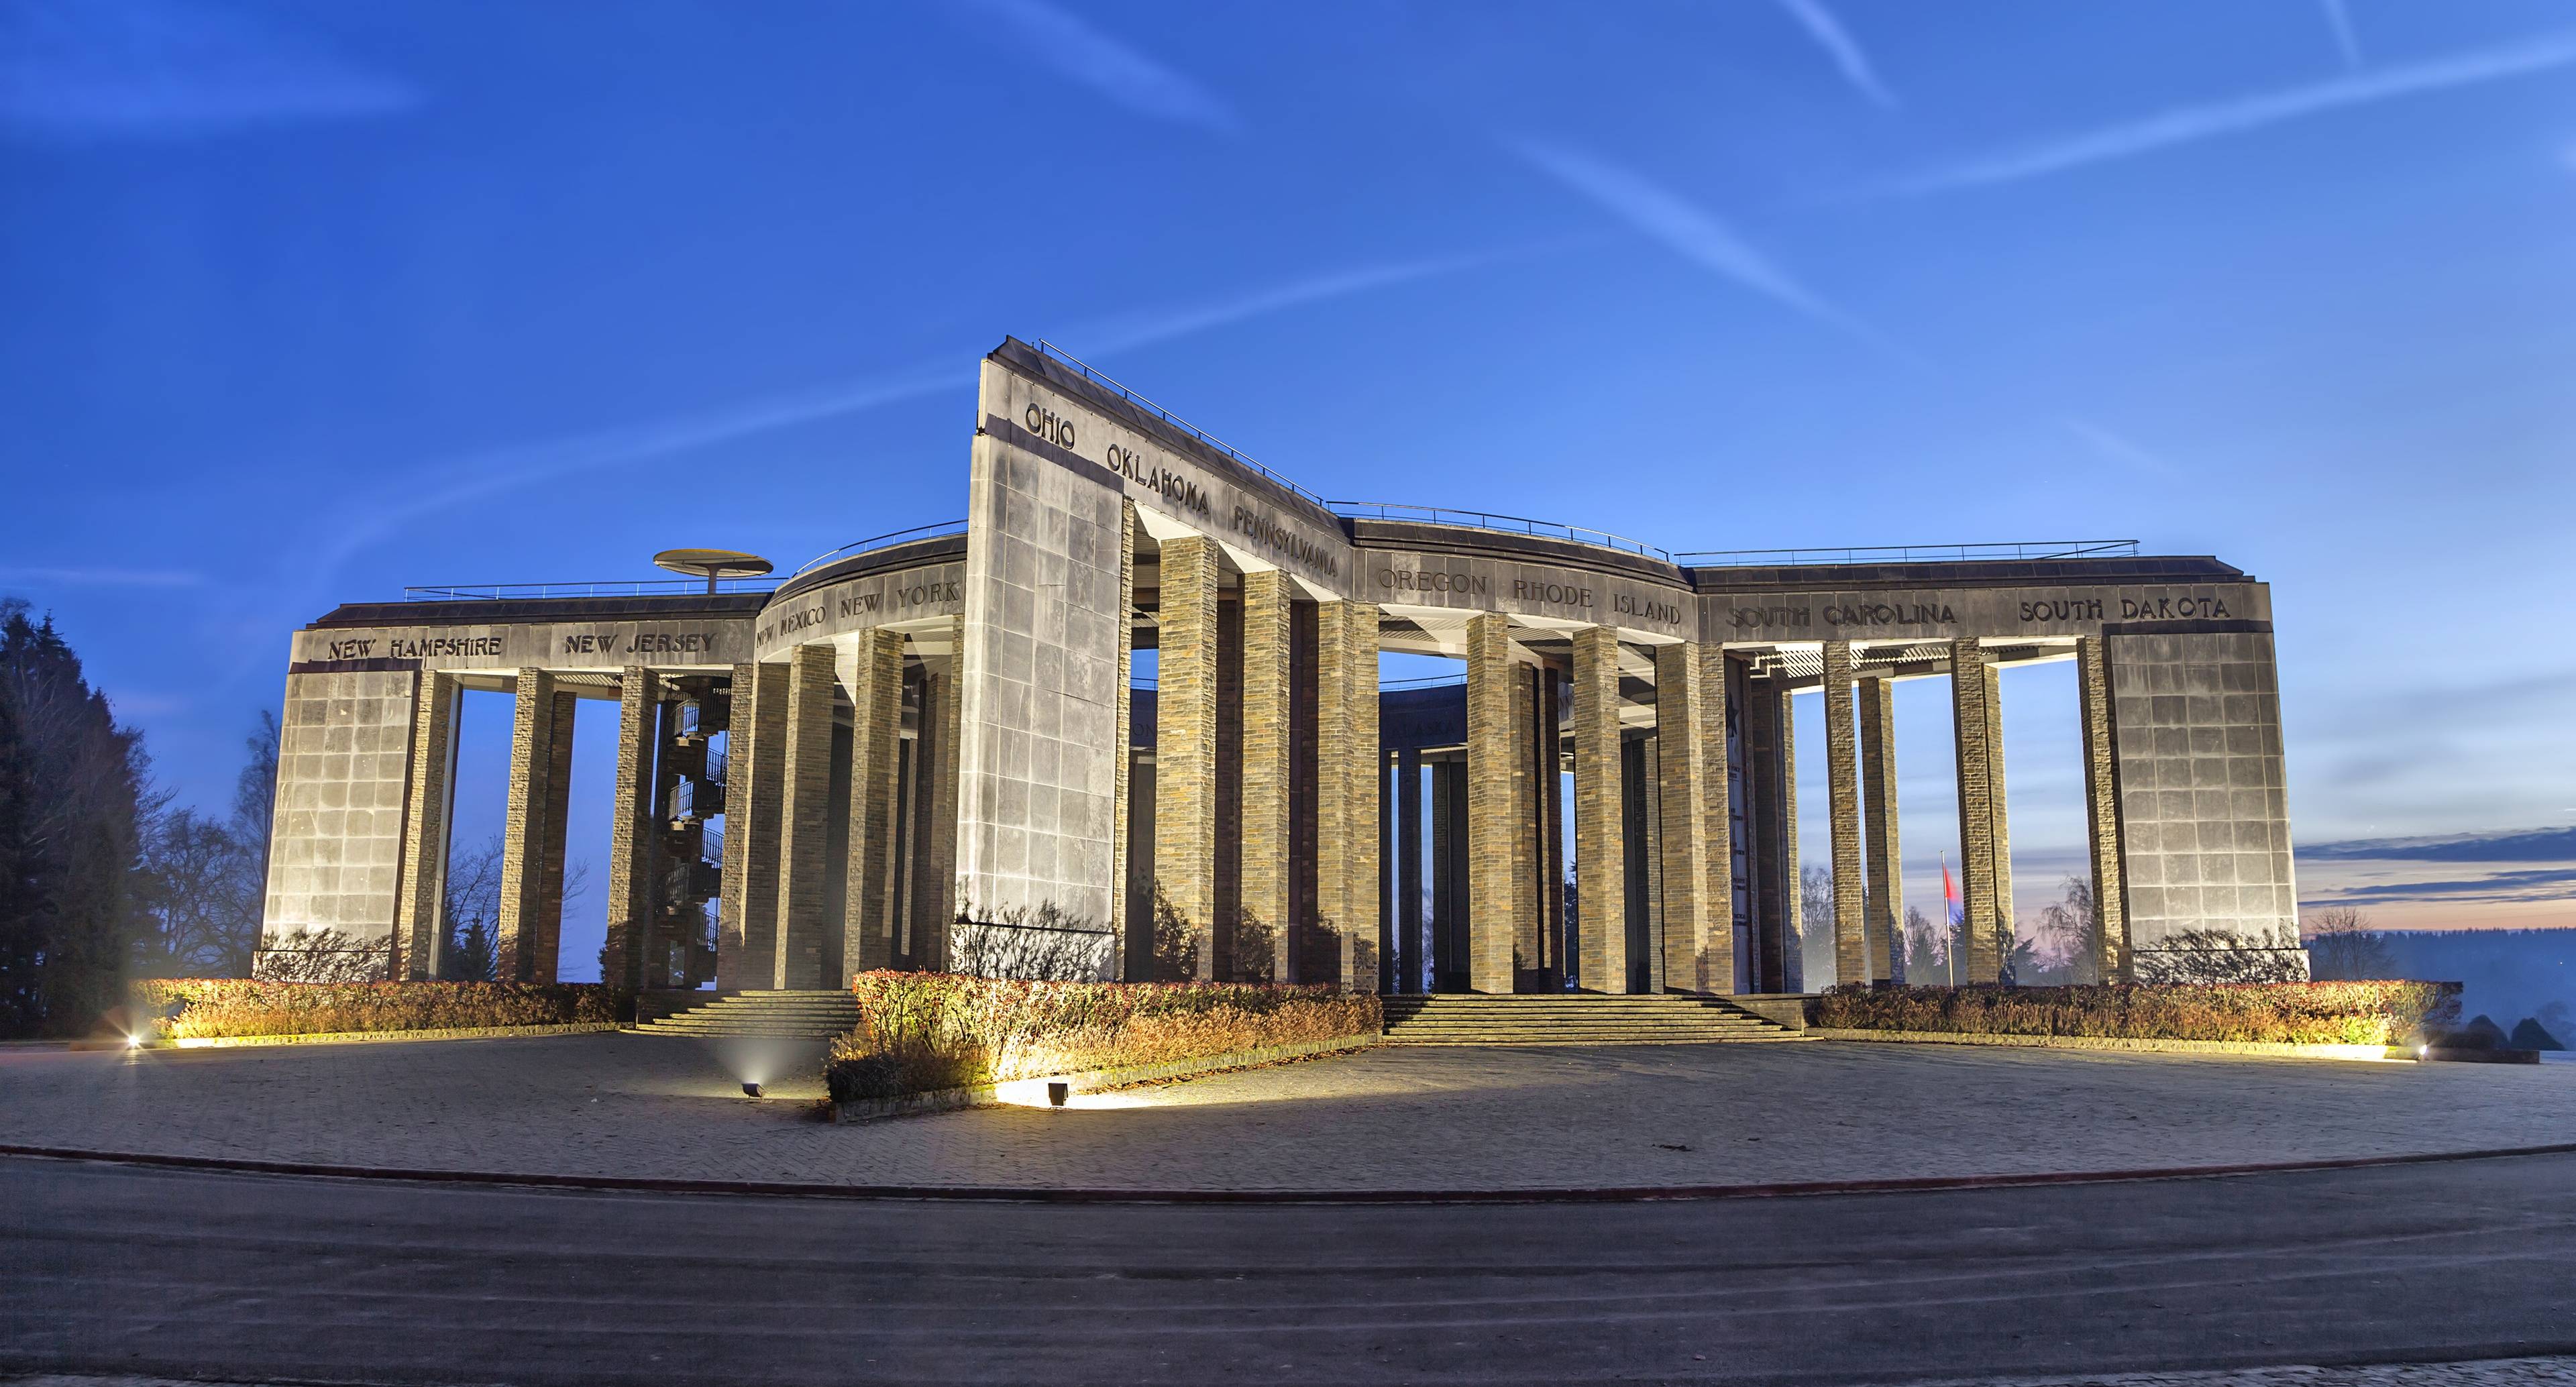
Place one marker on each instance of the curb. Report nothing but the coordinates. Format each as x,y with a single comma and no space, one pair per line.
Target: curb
237,1042
988,1095
1040,1194
2264,1049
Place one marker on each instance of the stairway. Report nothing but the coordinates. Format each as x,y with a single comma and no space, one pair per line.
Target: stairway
795,1015
1574,1018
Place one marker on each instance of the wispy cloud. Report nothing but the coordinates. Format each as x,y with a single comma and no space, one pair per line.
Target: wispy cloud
2194,124
2526,845
1689,230
2118,449
443,485
2347,42
1108,66
101,577
1829,34
74,71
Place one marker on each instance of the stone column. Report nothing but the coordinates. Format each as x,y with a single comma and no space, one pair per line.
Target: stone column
1772,816
1348,782
1600,828
1408,870
1262,929
420,922
1122,773
527,841
1717,821
545,948
755,795
939,904
633,833
1691,929
2004,913
1545,729
733,886
1878,829
1497,834
1647,857
2102,813
1971,718
804,817
875,681
1185,741
1842,793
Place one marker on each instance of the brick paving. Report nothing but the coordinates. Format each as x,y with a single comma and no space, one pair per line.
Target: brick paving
646,1106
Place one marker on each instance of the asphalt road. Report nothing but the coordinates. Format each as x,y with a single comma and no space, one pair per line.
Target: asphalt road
113,1269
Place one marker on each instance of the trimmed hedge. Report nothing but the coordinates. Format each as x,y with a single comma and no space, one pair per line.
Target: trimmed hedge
2297,1013
923,1032
202,1008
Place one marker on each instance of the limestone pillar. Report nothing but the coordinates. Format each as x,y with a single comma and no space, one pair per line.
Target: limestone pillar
1544,727
528,843
1349,782
874,678
2102,813
1408,870
1972,691
1691,928
804,819
1842,794
1497,835
1717,820
1646,857
2004,914
633,833
1886,903
1185,742
1260,930
420,921
755,795
1600,817
1771,770
734,868
1449,939
1122,776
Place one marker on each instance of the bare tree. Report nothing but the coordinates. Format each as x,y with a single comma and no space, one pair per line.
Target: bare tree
2224,955
201,899
2342,946
1043,944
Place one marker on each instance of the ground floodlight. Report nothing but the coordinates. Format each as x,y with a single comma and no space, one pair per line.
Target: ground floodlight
1057,1091
750,1088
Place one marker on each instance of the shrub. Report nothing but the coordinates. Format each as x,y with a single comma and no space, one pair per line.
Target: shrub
2307,1013
920,1032
199,1008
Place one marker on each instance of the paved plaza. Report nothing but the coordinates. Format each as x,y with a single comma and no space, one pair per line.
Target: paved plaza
1386,1119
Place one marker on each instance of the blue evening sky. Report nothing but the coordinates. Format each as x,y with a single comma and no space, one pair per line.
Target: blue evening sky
300,303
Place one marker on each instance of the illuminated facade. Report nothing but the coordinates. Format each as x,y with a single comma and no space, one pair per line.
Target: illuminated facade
929,751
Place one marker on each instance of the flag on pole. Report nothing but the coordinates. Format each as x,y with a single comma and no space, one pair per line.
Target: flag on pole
1950,895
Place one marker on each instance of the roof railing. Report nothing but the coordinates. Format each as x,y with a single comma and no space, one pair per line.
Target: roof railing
931,531
1503,524
1913,553
638,587
1168,417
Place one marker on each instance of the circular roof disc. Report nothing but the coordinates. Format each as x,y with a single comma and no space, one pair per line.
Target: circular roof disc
712,564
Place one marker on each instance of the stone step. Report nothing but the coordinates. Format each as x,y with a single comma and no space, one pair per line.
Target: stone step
1574,1019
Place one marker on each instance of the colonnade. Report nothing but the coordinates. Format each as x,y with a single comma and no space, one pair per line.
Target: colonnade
1279,844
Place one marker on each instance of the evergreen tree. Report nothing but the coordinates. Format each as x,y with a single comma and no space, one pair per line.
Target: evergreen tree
74,787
